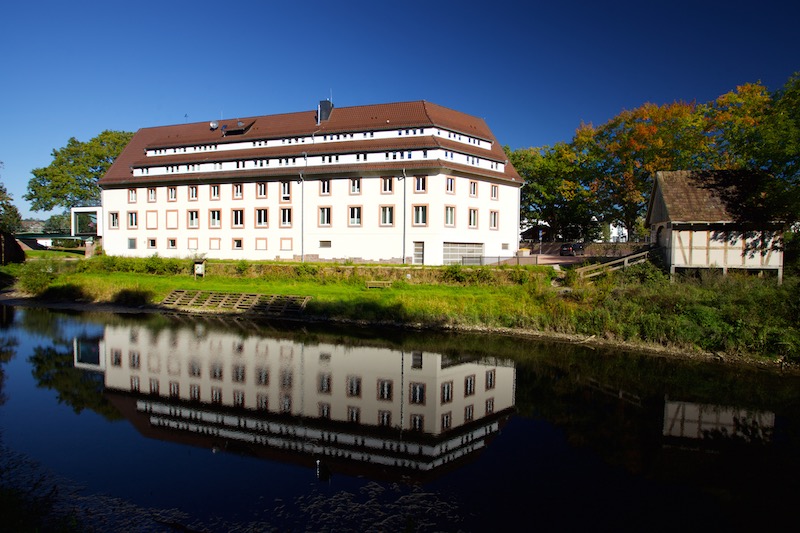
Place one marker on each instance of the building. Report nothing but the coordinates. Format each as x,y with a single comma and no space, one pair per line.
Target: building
409,182
691,220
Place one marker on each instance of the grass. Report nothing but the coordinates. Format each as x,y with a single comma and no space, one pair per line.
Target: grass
733,315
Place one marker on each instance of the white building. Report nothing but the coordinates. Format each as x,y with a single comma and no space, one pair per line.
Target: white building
408,182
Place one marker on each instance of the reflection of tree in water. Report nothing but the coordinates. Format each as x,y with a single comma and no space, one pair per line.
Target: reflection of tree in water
54,369
8,345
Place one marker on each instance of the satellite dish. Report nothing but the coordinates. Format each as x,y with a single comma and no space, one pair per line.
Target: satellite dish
240,123
213,124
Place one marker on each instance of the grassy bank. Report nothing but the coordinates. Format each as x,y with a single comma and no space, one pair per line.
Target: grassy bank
735,316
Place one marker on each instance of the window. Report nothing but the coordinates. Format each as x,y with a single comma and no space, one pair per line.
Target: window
450,185
449,215
490,377
324,244
132,196
447,392
238,218
324,410
286,217
133,219
353,386
154,385
324,216
495,192
353,414
385,418
238,374
355,215
215,192
261,190
194,219
238,398
286,191
262,218
238,244
324,383
387,185
447,421
473,218
469,413
385,389
216,395
174,389
469,385
416,359
116,357
387,215
194,392
286,403
151,243
417,422
262,376
193,192
194,369
215,218
489,406
151,195
172,244
134,360
131,244
493,217
216,371
262,403
113,220
172,194
473,188
355,186
237,191
324,187
420,215
420,183
417,393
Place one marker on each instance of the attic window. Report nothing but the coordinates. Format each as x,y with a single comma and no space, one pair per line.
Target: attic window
236,128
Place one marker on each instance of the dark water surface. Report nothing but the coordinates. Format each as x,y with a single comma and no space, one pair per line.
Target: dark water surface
158,423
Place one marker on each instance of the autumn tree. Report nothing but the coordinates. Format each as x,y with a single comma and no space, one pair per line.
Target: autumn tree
70,180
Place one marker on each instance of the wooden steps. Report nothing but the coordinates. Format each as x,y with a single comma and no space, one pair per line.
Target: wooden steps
226,302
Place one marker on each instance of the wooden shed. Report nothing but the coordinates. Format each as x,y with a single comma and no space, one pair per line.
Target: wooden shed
695,223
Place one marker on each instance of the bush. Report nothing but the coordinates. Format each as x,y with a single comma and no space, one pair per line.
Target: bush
36,276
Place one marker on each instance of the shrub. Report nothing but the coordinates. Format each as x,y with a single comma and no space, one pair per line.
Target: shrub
37,276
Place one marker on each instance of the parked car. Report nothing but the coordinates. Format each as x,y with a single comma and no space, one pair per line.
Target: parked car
574,248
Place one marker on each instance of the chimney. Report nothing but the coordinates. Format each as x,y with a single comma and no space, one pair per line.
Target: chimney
324,110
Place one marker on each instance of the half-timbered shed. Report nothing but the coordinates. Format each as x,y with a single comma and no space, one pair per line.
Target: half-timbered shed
694,223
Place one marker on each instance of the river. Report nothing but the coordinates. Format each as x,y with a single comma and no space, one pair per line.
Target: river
191,423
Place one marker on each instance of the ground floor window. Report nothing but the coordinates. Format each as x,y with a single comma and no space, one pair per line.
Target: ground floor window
456,253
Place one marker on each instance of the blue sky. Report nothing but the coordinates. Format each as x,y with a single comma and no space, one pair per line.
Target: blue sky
533,70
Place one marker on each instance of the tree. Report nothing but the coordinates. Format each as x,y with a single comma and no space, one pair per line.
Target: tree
57,224
71,179
10,219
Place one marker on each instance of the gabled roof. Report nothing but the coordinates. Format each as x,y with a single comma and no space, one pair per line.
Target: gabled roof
357,119
686,200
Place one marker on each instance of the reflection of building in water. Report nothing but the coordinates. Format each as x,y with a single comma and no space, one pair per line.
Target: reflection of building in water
416,410
700,421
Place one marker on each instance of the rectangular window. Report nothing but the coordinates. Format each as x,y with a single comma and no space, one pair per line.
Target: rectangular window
131,244
385,418
324,244
473,188
387,215
215,192
355,186
387,185
450,185
262,402
473,218
131,196
469,413
417,393
420,183
193,192
174,389
153,385
151,195
172,244
151,243
324,216
216,395
324,187
469,385
420,215
237,244
172,194
490,375
353,386
447,421
262,376
261,190
495,192
353,414
417,422
133,219
493,217
194,219
215,218
238,193
416,359
385,389
194,392
355,215
286,191
324,410
286,217
489,406
237,220
238,374
324,383
262,218
447,392
216,371
449,215
113,220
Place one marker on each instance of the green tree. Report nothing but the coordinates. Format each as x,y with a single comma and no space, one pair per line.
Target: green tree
10,219
71,179
57,224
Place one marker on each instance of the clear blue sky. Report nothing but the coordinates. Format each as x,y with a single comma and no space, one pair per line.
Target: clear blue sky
533,70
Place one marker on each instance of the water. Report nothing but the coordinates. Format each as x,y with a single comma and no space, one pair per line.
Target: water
156,423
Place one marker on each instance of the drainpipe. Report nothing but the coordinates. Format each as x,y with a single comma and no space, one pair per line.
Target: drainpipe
403,179
302,183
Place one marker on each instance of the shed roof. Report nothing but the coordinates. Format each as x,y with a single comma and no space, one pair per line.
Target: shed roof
686,200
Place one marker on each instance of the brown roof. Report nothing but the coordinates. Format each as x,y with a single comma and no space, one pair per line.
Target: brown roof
394,116
687,200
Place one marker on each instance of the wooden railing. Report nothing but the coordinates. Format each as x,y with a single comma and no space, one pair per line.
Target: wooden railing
623,262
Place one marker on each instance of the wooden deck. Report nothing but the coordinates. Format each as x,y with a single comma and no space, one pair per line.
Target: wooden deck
244,303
